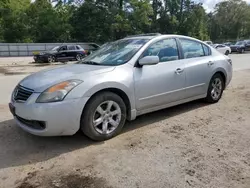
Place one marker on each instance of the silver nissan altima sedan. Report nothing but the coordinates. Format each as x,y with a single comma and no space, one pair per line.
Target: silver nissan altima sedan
120,81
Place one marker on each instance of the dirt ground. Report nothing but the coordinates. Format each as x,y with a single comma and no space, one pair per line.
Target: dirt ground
192,145
25,66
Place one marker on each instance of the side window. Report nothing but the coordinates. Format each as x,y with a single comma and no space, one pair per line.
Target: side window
165,49
192,49
63,48
221,46
71,47
206,50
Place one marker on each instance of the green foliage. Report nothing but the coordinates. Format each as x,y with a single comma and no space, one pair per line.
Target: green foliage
106,20
231,20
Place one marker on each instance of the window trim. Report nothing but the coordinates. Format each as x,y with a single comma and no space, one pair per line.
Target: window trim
177,45
209,49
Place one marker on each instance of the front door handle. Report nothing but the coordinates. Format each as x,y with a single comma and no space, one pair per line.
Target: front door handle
210,63
179,71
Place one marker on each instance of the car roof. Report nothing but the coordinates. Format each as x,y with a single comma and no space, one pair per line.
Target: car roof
161,36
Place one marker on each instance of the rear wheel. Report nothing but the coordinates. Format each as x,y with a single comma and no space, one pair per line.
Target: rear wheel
104,116
215,89
227,52
78,57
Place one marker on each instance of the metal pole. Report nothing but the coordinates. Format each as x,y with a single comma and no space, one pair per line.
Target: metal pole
9,49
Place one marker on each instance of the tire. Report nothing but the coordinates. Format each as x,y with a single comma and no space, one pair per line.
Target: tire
227,52
242,50
214,95
78,57
98,109
51,59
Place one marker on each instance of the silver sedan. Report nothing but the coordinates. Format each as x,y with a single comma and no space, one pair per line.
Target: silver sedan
120,81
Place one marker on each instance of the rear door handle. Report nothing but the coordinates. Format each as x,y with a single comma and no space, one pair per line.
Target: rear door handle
210,63
179,71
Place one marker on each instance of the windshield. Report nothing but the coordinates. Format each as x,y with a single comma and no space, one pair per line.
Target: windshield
115,53
55,48
240,43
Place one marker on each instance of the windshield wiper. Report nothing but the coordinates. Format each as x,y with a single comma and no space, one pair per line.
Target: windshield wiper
89,62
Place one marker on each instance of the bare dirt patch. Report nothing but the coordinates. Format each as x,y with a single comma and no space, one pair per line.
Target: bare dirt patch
191,145
72,180
25,67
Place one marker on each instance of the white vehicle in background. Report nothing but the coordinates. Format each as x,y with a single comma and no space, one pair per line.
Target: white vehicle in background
223,48
209,43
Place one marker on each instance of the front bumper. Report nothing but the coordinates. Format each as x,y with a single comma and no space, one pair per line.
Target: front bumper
58,118
40,58
235,49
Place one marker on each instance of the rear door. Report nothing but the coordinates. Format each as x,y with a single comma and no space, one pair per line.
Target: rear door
199,66
71,54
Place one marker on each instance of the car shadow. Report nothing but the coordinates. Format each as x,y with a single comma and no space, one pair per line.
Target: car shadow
21,148
160,115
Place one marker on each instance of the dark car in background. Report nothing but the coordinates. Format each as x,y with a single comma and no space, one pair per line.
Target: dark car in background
247,44
240,47
65,53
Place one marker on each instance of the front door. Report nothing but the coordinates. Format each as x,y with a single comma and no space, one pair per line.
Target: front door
62,53
160,84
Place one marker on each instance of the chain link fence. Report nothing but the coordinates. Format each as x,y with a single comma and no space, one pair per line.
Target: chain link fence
27,49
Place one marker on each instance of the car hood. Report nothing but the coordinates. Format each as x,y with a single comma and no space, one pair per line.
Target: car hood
42,80
48,52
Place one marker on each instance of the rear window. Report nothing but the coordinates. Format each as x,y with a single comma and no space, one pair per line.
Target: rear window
71,47
192,49
78,47
206,49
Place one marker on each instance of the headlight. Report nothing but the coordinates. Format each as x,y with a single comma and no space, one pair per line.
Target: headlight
57,92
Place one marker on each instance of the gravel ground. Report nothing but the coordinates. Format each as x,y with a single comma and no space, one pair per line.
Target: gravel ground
191,145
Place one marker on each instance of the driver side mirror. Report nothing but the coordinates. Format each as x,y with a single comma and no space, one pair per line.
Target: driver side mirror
149,60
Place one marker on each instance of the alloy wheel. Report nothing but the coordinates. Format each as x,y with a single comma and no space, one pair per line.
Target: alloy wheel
51,59
78,57
216,89
107,117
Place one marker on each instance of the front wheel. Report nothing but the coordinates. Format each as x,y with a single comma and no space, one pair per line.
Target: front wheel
215,89
227,52
242,50
51,59
104,116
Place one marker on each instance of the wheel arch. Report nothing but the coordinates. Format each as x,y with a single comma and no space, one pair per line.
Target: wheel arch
223,75
121,94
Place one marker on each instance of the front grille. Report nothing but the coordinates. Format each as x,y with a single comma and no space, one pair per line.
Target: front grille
39,125
21,93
